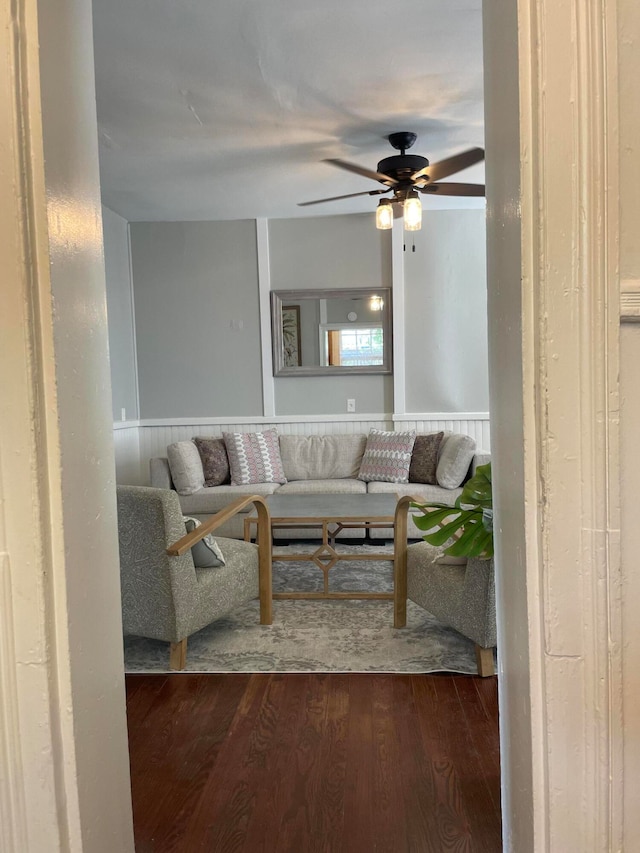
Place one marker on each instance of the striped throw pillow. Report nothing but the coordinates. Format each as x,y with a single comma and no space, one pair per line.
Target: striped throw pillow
254,457
387,456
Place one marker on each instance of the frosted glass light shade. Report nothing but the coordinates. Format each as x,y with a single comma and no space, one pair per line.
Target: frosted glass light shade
384,215
412,214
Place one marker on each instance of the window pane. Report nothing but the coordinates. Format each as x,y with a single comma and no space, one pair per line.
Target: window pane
361,347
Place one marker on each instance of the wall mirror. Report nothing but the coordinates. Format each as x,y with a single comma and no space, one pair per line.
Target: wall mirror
331,332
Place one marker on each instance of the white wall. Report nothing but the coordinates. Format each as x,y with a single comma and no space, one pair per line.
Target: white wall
192,280
122,342
446,367
72,612
330,252
197,319
500,26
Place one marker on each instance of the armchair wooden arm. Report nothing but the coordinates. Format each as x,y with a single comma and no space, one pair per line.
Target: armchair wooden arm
400,562
263,541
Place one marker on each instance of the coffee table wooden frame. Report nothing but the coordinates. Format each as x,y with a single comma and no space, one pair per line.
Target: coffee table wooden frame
325,557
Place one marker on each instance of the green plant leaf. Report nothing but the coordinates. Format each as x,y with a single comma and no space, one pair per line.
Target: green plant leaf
477,490
449,529
470,543
434,518
464,521
479,543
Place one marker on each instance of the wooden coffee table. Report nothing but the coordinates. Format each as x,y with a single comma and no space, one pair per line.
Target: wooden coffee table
332,514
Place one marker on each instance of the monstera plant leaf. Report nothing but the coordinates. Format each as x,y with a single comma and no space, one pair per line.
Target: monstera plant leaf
469,522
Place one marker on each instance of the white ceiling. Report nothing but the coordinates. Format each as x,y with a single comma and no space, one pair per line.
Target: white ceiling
225,109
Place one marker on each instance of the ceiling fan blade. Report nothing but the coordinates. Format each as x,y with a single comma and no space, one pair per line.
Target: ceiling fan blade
361,170
338,197
444,168
453,189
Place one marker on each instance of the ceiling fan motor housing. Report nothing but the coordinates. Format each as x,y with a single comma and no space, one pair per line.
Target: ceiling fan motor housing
401,166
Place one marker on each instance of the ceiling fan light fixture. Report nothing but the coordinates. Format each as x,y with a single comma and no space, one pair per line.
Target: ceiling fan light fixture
384,215
412,212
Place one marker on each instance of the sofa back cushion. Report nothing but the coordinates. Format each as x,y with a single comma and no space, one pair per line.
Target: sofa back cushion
186,467
454,459
322,457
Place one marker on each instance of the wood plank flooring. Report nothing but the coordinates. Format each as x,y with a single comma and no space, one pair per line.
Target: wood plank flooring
318,763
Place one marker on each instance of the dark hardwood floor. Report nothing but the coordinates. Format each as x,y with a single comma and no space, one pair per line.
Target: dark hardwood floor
339,763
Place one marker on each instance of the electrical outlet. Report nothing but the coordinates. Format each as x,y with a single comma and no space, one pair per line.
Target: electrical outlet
351,405
123,414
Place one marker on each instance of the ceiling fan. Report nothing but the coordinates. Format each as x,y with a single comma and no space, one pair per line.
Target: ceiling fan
406,175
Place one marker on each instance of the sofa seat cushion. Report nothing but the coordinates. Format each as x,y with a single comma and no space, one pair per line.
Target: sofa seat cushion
211,499
327,487
322,457
421,491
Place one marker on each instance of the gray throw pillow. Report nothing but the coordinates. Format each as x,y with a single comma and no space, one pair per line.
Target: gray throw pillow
186,467
206,553
456,455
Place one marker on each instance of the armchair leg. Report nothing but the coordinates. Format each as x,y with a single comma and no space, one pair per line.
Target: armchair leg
178,655
484,660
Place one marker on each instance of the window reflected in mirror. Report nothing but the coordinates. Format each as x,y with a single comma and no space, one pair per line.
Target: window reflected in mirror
320,332
350,346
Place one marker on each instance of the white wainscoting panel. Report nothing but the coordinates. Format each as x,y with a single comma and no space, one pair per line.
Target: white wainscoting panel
154,436
474,424
126,445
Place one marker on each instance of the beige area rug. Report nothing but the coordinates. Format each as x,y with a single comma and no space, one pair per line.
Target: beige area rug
318,636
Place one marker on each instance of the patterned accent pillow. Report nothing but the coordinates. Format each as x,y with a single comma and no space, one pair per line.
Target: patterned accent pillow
387,456
424,459
254,457
215,462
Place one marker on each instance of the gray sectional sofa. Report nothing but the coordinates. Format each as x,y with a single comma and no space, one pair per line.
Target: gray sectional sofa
327,464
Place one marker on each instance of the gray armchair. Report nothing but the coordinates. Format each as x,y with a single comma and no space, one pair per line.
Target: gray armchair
461,596
164,596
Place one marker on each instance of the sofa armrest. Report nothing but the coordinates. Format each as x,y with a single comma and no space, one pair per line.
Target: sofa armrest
160,473
480,458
